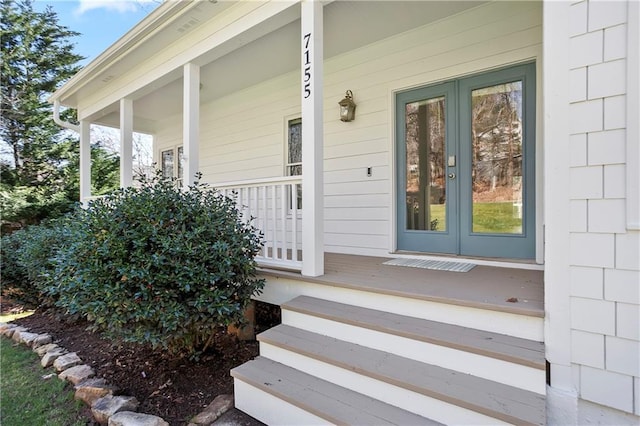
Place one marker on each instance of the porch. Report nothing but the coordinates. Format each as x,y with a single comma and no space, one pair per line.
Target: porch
508,290
371,343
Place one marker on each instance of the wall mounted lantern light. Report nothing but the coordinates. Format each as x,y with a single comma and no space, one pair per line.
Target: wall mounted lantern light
347,107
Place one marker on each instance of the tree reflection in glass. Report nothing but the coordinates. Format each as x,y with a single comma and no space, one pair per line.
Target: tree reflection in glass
426,183
497,158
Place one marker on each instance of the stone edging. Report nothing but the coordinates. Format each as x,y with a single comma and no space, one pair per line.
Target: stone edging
107,407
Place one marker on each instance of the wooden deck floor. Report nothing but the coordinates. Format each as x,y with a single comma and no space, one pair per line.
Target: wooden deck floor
483,287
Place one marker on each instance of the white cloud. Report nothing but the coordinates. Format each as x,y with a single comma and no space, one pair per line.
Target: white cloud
121,6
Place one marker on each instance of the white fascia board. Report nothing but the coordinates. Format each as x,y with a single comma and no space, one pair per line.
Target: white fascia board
164,13
221,41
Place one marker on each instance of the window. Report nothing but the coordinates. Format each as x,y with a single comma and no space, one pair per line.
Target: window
180,174
294,147
170,168
294,155
167,163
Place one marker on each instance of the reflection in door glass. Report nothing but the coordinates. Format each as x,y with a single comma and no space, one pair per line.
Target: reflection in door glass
426,184
497,159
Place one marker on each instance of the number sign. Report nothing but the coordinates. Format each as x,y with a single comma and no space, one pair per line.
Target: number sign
307,66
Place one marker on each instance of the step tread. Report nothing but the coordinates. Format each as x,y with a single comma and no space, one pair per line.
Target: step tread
333,403
493,399
508,348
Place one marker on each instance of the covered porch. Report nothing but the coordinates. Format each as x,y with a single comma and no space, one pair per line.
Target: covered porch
509,290
505,300
197,88
221,85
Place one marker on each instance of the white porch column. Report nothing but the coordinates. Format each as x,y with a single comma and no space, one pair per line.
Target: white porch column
557,275
126,142
633,117
85,161
312,139
191,122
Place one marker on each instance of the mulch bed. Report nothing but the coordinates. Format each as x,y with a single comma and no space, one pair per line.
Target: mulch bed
174,389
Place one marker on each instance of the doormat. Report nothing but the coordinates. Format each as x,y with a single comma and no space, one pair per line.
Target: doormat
438,265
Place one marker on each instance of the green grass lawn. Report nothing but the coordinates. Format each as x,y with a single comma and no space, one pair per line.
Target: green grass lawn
26,398
498,218
495,218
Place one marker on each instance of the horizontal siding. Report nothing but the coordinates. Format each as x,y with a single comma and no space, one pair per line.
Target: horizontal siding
169,136
382,172
355,188
351,214
243,135
356,201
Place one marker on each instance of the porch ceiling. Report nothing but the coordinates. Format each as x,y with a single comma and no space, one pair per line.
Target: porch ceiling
348,26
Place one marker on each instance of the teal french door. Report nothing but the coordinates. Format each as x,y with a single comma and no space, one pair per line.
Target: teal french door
466,165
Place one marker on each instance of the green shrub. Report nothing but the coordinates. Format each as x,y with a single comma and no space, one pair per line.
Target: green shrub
13,275
29,205
159,265
28,261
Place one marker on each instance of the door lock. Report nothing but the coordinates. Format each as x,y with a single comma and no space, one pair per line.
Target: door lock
452,175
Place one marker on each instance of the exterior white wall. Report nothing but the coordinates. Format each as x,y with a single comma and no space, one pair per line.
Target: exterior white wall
592,254
243,135
601,330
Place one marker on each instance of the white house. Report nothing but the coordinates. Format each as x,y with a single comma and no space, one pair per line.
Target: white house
498,134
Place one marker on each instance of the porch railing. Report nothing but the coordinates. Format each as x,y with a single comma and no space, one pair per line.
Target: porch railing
272,206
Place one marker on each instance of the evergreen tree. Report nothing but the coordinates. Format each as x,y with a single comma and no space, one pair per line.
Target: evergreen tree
37,57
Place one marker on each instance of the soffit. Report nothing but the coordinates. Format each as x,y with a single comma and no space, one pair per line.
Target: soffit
348,25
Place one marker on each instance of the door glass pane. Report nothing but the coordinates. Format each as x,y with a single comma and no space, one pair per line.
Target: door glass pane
497,159
425,168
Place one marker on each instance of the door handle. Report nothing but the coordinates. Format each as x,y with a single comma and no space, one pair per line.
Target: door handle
452,176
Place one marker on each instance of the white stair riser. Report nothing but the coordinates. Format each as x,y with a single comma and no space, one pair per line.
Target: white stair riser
270,409
403,398
497,370
280,290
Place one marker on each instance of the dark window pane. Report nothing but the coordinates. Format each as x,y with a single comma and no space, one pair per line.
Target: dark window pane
426,182
295,170
180,162
167,163
295,142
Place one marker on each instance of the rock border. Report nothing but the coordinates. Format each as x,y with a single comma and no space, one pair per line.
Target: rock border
107,407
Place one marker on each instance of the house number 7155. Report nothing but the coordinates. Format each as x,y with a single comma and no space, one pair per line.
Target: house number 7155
307,66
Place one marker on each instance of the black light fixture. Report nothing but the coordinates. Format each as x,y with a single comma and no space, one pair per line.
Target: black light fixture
347,107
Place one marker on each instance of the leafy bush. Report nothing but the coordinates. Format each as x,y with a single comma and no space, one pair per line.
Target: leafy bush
159,265
28,261
31,205
13,275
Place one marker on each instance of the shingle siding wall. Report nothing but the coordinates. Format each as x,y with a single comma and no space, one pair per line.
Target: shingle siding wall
605,257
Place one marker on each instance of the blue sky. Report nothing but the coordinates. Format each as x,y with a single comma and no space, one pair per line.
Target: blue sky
100,22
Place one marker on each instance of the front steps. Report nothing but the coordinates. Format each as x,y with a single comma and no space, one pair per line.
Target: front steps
334,363
318,400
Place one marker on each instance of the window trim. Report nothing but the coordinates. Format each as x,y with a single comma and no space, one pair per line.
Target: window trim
286,165
177,168
528,72
287,122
